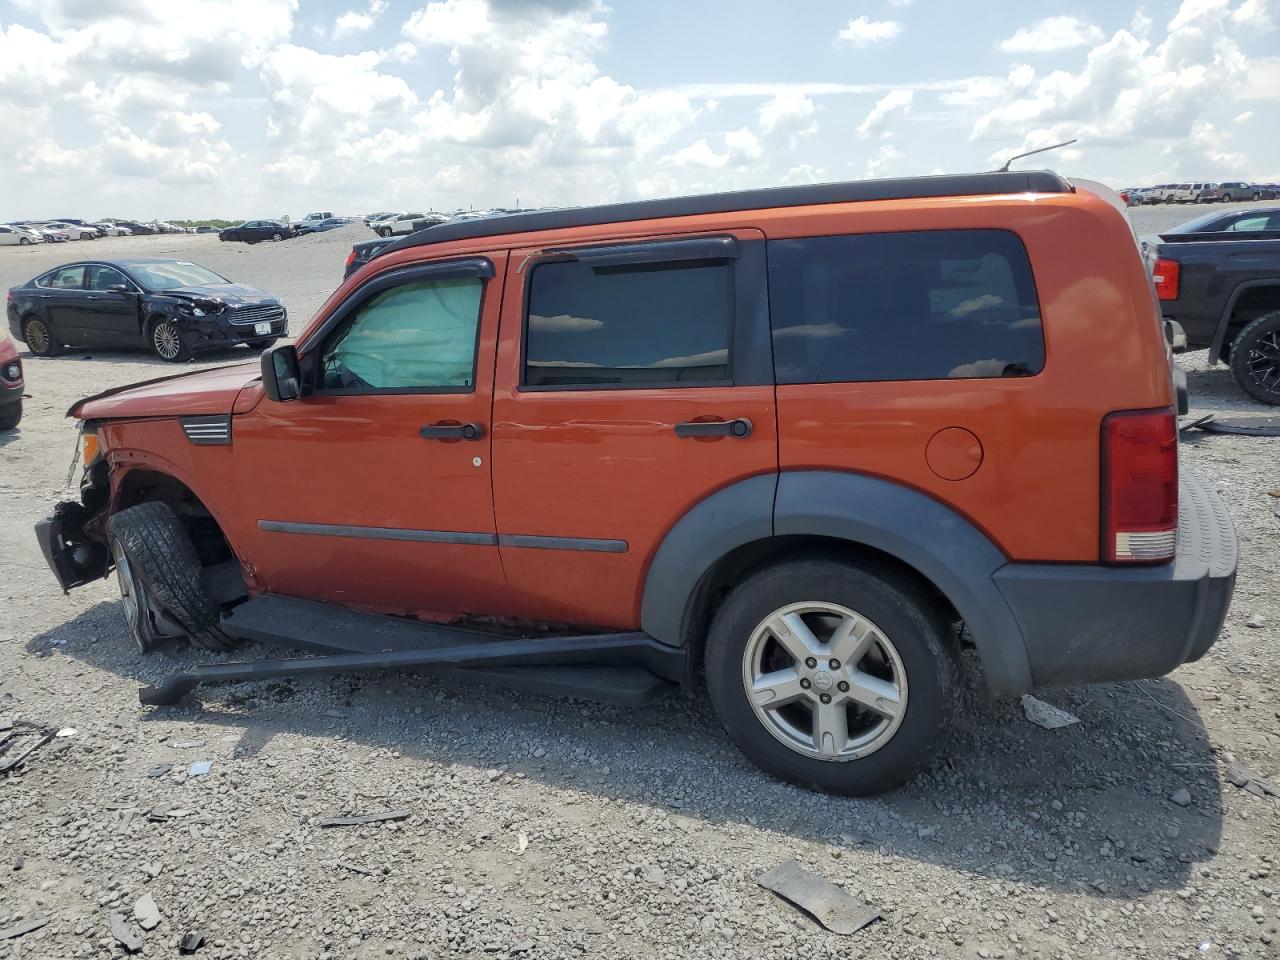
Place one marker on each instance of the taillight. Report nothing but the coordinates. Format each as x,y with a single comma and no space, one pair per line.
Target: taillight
1139,486
1165,275
351,258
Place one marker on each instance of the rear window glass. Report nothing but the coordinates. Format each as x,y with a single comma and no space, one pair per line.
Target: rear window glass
932,305
635,326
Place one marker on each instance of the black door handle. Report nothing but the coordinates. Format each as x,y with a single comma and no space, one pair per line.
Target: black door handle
452,431
741,427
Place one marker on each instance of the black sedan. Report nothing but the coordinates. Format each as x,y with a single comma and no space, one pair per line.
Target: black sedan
251,231
173,307
1246,220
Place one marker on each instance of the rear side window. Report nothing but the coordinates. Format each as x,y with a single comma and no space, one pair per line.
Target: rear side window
67,278
628,326
931,305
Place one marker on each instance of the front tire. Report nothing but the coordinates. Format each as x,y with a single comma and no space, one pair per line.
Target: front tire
24,241
167,342
834,676
40,338
384,232
1255,359
161,575
11,415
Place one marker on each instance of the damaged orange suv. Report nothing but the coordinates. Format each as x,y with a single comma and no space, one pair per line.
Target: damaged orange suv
798,442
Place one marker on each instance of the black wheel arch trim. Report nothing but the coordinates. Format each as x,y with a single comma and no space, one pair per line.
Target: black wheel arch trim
935,541
1224,321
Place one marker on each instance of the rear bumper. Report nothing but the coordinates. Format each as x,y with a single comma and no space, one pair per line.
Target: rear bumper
1094,624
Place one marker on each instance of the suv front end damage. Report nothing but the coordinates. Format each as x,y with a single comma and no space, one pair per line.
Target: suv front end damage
73,538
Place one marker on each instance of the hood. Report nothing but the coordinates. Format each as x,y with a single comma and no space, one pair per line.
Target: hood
204,392
231,294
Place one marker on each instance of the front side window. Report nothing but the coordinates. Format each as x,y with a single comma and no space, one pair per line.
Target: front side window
417,336
628,326
104,278
928,305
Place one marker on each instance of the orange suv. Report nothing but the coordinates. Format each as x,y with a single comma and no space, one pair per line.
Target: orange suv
802,442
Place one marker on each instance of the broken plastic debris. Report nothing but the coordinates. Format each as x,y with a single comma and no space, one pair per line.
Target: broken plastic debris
355,821
68,732
199,768
146,912
1046,714
191,942
123,933
821,899
22,927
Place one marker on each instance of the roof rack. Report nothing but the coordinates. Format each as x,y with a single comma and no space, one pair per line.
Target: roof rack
852,191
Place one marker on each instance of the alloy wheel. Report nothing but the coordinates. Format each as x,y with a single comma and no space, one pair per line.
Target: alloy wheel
276,238
136,609
37,336
165,339
1263,362
825,681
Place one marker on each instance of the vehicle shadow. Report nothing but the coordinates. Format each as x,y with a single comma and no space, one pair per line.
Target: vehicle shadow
1086,807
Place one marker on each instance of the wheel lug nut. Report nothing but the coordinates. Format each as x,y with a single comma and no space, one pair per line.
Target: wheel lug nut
804,683
825,698
843,686
811,663
835,664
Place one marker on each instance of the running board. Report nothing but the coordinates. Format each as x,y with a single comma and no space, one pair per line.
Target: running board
621,668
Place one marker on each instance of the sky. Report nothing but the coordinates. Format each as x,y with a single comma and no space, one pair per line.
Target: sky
256,108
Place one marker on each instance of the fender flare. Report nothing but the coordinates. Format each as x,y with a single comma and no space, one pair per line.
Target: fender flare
1220,333
935,541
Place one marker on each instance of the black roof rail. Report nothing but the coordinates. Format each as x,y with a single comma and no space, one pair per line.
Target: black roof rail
852,191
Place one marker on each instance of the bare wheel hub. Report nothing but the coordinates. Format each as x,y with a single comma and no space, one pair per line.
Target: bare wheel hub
825,681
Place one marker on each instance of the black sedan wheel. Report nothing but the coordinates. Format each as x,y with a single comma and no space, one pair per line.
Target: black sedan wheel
168,343
276,237
1255,359
40,338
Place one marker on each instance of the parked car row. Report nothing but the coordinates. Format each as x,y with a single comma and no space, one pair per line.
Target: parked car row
401,224
1201,191
25,232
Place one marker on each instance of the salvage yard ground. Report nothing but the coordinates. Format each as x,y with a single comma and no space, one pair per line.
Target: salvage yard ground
544,828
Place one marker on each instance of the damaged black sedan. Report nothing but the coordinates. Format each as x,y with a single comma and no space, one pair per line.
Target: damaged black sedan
172,307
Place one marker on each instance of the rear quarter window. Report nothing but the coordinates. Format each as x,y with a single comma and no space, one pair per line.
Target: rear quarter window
928,305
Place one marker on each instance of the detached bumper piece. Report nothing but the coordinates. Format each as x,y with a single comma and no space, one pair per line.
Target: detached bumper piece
629,669
74,560
1089,624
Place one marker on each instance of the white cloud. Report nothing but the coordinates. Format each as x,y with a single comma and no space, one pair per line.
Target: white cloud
901,4
358,21
885,162
803,173
1254,16
894,102
864,32
1052,33
786,118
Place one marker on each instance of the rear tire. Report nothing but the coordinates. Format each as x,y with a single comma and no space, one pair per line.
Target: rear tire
1255,359
276,238
24,241
40,338
163,572
11,415
384,232
890,697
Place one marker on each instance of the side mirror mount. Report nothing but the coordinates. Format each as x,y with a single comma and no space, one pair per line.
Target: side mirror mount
119,288
281,374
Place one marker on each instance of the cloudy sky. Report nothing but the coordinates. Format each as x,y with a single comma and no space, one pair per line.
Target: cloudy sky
247,108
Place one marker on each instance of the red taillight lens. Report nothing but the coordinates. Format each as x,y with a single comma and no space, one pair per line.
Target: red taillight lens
1139,486
1165,275
351,257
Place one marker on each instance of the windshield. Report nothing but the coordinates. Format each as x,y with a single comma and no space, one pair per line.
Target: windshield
173,274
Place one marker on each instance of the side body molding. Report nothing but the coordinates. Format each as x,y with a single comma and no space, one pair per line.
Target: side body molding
937,542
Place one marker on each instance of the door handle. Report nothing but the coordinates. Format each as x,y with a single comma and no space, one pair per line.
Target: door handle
741,427
452,431
93,297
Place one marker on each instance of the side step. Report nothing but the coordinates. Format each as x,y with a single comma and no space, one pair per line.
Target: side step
621,668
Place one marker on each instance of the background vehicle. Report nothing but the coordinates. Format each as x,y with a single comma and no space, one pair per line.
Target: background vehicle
11,384
17,236
50,234
135,228
361,253
1218,278
398,223
314,218
73,231
371,217
173,307
1234,190
1205,192
322,226
1264,191
113,230
255,231
784,439
206,229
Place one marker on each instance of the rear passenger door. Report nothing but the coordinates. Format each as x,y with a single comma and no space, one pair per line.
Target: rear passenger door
634,380
65,299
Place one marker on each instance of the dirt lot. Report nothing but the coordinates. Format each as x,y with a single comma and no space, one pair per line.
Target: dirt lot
546,828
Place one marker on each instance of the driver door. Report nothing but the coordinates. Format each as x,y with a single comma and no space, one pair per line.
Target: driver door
374,488
110,317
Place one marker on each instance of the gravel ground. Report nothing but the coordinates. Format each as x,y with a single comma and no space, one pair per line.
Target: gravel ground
544,828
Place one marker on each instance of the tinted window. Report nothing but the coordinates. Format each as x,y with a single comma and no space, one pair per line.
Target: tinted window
414,336
628,326
1257,223
172,274
68,278
903,306
100,278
